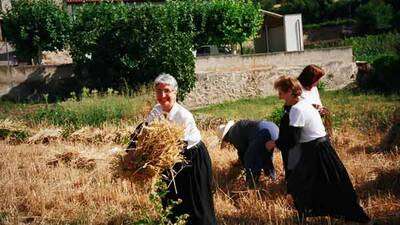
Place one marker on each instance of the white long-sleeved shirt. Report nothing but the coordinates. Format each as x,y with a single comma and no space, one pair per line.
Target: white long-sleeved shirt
311,96
180,116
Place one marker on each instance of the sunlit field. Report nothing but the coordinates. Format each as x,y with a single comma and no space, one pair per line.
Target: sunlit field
53,173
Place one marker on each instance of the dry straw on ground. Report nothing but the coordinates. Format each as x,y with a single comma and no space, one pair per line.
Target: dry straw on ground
34,192
158,149
105,134
13,132
45,136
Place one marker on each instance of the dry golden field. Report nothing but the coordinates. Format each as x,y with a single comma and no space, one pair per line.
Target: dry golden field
70,181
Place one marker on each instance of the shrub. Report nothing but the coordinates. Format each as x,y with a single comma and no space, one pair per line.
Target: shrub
386,75
310,9
370,47
164,214
116,46
276,115
374,17
33,26
343,9
267,4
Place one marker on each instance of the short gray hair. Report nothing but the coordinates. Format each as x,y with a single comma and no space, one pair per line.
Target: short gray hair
166,78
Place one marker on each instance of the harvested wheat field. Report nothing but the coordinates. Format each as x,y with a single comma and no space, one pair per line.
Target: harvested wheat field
71,182
58,169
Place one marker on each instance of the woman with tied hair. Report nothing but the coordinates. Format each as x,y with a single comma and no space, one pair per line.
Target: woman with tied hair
309,79
318,183
192,184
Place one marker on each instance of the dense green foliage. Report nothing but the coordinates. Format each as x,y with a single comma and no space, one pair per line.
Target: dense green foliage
386,75
370,47
115,45
374,17
33,26
130,46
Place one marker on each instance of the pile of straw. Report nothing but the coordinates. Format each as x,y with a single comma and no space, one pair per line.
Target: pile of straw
13,131
105,134
158,149
72,159
45,136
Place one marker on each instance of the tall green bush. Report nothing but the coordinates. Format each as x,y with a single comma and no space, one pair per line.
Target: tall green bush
132,47
33,26
386,76
114,45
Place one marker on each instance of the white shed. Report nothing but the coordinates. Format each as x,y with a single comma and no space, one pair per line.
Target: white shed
280,33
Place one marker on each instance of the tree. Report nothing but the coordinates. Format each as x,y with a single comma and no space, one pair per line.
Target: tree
33,26
114,45
374,16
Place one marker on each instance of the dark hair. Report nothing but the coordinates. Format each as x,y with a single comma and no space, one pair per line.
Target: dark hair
310,75
286,83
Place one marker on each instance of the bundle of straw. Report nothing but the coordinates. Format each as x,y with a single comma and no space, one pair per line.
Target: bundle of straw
14,132
158,149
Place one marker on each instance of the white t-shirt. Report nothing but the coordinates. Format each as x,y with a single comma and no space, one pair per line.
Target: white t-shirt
304,115
181,116
311,96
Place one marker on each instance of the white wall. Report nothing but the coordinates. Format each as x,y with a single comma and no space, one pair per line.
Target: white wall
293,32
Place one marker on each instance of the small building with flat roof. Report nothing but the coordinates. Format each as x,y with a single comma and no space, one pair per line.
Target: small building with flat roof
280,33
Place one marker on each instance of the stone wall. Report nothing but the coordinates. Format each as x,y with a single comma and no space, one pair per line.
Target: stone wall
223,78
32,82
219,78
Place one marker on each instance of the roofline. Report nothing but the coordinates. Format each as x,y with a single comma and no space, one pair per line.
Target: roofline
269,13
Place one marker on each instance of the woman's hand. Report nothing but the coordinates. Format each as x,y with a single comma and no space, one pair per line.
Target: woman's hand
270,145
323,111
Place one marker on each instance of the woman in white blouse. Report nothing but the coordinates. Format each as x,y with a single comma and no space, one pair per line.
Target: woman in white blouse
309,79
192,184
319,183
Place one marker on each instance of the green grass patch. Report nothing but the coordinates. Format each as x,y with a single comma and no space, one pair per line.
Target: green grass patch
361,110
91,111
255,108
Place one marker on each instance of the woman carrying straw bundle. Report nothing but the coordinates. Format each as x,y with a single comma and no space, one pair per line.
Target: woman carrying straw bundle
192,183
319,183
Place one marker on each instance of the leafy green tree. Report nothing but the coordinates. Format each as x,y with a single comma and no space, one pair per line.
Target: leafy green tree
33,26
310,9
375,16
114,45
267,4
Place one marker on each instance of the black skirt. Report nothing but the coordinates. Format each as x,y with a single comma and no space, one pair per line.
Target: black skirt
320,184
193,186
